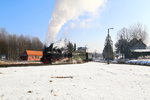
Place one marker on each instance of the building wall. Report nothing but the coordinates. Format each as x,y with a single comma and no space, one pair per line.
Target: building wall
34,58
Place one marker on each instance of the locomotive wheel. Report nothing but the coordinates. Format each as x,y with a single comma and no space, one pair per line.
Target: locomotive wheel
47,62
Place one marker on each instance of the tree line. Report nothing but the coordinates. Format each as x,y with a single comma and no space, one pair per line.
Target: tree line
126,39
13,45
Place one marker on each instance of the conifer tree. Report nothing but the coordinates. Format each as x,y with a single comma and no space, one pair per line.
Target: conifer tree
108,49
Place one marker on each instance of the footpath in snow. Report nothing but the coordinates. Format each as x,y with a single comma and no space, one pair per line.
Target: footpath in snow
89,81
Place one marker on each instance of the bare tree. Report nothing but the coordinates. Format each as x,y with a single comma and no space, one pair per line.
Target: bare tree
122,45
138,31
36,44
124,34
3,44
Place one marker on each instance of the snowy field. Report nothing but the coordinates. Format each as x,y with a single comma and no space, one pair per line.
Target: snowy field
89,81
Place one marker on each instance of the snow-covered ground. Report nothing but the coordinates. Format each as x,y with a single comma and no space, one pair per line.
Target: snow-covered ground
139,62
89,81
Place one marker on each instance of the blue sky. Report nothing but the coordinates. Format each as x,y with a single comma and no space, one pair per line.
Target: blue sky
31,17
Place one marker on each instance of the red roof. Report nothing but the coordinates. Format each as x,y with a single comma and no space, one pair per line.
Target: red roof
34,53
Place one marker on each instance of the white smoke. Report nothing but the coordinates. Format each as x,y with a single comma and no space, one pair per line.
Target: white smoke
62,43
66,10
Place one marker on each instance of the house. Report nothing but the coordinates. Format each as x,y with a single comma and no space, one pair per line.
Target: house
139,49
30,55
138,45
141,53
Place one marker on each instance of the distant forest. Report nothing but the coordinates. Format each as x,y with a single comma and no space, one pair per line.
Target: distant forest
12,45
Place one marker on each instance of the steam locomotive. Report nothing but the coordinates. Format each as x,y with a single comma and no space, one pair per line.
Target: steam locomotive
51,55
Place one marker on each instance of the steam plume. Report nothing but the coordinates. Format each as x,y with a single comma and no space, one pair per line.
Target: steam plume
66,10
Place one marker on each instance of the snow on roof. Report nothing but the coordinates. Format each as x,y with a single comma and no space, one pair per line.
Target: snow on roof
141,50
